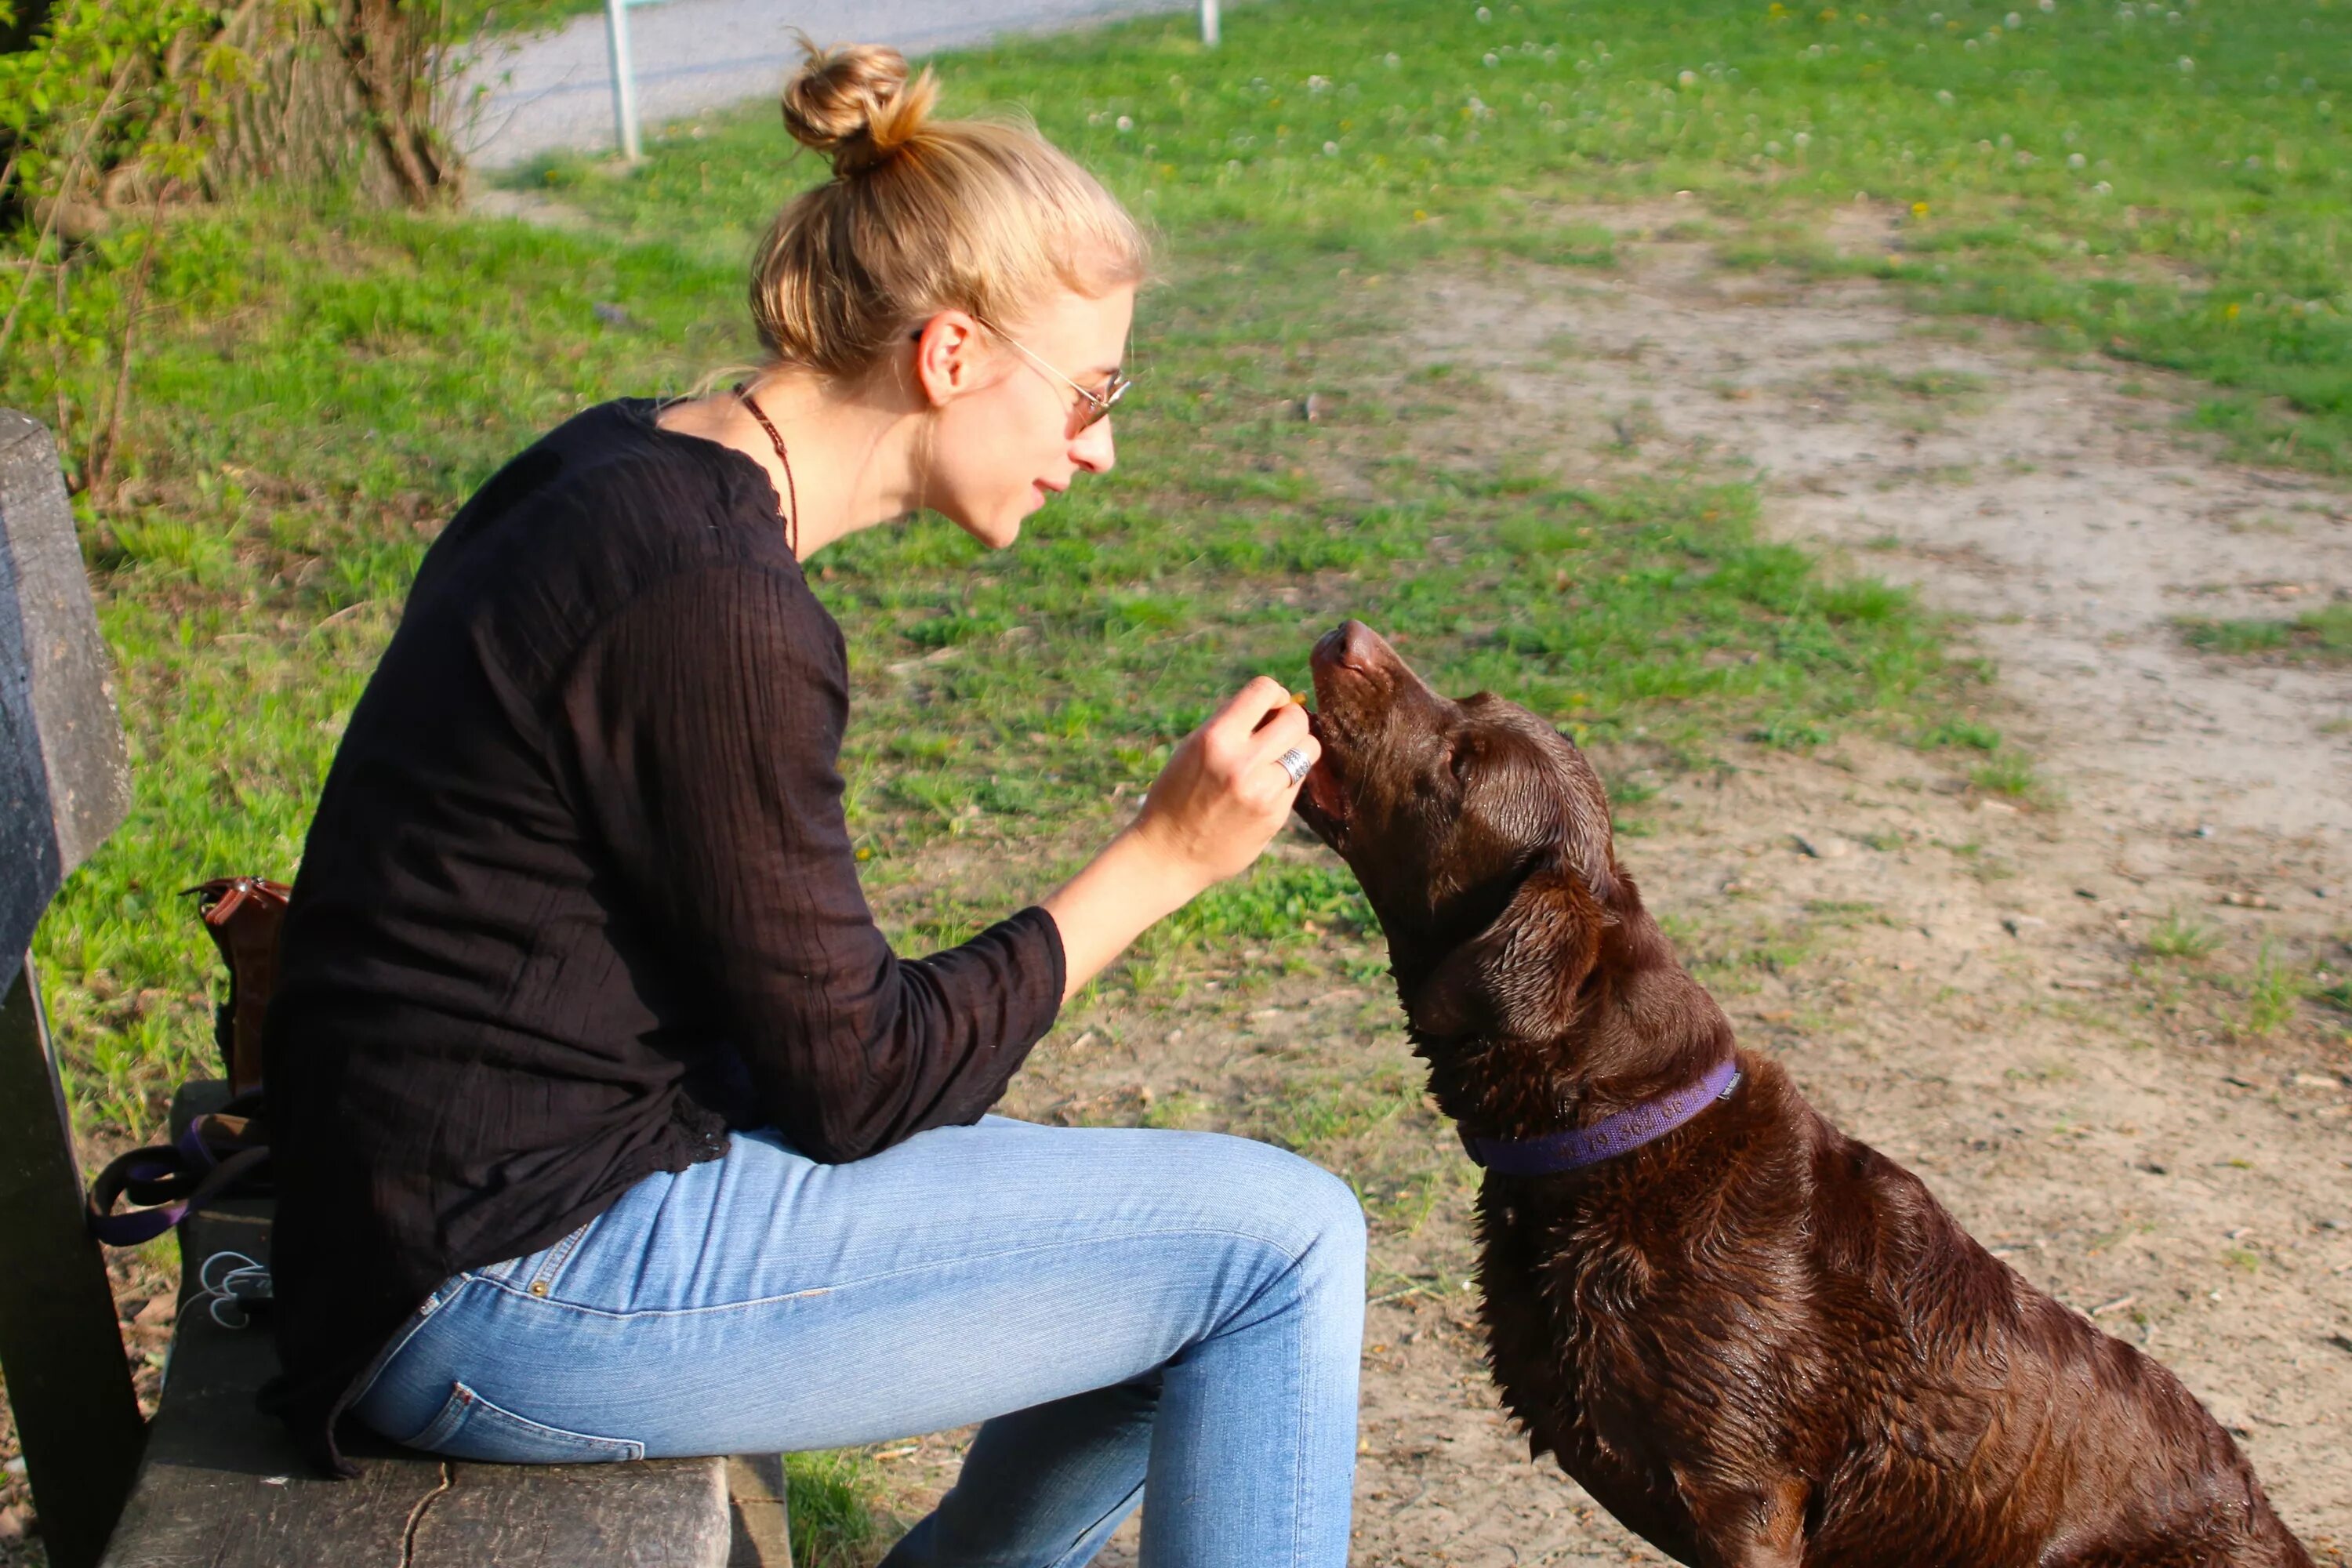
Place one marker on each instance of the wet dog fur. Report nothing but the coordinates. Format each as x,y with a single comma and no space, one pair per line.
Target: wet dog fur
1757,1341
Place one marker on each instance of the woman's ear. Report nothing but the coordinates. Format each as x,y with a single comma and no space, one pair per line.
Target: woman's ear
1518,978
947,355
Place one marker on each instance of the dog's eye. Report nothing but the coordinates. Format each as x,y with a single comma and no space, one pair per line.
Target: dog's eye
1463,754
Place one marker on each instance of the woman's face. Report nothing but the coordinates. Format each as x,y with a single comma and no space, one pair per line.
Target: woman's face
1001,443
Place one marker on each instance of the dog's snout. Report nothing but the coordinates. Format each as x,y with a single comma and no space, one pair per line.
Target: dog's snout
1351,645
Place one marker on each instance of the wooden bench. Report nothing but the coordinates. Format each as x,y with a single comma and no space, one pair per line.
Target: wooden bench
212,1481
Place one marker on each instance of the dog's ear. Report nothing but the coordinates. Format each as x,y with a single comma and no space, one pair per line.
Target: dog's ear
1589,826
1519,977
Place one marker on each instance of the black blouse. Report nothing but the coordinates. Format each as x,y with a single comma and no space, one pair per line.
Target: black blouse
579,897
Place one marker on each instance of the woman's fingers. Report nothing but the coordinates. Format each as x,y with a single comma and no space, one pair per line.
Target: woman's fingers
1237,737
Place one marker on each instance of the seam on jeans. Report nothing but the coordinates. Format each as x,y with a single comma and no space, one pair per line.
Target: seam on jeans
1291,1260
544,1280
1124,1506
407,1331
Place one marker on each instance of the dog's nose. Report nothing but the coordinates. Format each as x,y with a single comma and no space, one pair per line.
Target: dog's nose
1360,647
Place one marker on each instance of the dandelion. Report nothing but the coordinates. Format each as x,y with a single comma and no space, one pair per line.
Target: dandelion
2015,21
1419,215
1126,123
1773,148
2253,162
1803,139
1935,18
1943,96
1492,60
2232,313
1918,209
2187,65
2076,161
2102,189
1688,78
1485,15
2048,6
1392,62
1330,149
1970,46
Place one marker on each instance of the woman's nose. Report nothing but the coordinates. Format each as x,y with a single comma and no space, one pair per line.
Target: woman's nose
1093,449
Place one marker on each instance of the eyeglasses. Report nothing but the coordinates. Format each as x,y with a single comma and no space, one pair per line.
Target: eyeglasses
1091,408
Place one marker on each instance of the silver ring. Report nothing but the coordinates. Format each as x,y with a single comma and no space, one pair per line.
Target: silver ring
1294,762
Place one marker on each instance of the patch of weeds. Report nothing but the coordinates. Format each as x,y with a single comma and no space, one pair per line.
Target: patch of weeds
2178,935
1310,1118
1786,734
2274,993
2242,1258
2011,776
1846,912
1965,732
1179,1108
834,1497
2321,636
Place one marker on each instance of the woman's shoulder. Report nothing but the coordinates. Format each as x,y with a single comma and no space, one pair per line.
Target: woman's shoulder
597,515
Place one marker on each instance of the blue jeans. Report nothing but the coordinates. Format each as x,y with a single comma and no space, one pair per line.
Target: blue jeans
1135,1314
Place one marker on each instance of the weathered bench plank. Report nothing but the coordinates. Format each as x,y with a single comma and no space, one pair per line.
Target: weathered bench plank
64,782
64,785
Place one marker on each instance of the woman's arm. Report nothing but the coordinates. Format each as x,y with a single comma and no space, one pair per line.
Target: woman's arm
1213,809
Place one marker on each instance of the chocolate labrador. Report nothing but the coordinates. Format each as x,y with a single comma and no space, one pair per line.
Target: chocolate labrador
1754,1339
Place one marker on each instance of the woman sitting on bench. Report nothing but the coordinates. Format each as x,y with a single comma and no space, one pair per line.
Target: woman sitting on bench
608,1125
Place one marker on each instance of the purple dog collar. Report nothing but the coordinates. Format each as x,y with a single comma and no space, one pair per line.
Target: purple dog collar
1605,1140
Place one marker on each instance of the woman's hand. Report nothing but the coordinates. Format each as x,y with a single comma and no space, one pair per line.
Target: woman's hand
1214,807
1222,797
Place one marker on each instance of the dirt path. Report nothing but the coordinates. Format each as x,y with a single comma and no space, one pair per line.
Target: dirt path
1993,995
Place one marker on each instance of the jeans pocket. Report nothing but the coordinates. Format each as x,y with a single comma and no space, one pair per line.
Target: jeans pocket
471,1427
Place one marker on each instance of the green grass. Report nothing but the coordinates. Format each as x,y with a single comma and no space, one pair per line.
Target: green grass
2181,936
2274,993
2321,636
830,1497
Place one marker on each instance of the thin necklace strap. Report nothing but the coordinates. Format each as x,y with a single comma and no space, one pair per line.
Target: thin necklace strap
792,490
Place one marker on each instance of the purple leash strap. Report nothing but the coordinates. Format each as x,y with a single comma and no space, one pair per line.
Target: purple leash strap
1605,1140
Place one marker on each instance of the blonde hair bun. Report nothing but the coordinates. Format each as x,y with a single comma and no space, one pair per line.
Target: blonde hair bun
855,104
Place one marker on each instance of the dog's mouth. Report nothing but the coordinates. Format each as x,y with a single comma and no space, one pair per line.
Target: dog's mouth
1324,800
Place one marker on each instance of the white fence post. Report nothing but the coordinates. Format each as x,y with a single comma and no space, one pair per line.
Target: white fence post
1208,24
625,85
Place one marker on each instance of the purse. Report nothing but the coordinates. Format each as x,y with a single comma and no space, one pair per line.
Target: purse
227,1151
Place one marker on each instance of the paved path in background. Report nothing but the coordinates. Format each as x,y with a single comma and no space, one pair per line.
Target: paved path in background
554,91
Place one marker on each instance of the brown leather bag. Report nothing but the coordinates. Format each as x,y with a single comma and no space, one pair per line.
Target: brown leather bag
244,914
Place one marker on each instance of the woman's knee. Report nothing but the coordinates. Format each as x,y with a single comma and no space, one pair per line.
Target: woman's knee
1290,1202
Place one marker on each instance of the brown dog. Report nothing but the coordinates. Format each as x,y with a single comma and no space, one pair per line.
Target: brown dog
1754,1339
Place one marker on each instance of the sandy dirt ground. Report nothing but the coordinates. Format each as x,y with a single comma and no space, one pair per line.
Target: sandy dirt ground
1988,990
